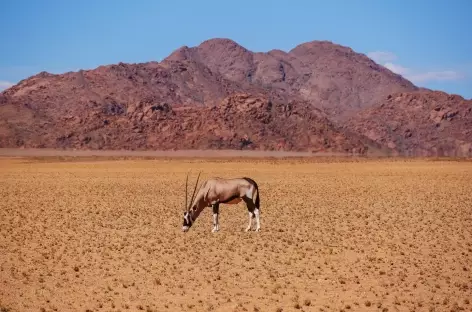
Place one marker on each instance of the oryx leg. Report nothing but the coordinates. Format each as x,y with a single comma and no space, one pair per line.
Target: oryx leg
251,216
216,210
251,210
258,220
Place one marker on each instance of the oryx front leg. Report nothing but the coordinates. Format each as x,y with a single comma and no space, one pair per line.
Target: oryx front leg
216,226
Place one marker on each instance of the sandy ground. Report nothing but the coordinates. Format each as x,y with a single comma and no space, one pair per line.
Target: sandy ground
340,236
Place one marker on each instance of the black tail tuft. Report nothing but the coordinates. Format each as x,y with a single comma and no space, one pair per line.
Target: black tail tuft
257,200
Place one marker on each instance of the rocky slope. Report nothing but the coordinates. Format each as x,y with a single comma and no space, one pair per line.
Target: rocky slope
421,123
239,121
317,96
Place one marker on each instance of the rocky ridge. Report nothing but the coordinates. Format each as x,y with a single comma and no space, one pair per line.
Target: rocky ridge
319,96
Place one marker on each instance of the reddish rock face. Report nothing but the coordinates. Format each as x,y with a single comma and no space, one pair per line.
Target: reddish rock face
319,96
238,121
419,123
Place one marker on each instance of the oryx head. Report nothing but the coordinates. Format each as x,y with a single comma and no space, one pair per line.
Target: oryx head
188,214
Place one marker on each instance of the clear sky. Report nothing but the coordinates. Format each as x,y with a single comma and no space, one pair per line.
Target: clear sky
429,42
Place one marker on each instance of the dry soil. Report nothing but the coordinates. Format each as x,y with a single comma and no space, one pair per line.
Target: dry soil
365,235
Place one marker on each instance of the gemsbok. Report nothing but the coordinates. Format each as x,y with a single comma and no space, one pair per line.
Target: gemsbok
216,191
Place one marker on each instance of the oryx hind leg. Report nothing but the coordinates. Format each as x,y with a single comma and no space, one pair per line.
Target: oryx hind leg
251,207
258,219
251,217
216,211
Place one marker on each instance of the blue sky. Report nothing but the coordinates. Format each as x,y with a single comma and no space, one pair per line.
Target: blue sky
426,41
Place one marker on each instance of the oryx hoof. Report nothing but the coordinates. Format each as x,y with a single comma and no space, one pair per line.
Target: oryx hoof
214,230
257,230
247,229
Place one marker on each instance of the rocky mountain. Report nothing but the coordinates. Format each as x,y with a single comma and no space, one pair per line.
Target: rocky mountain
421,123
330,76
319,96
239,121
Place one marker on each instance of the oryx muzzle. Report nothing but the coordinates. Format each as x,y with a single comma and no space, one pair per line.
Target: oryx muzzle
216,191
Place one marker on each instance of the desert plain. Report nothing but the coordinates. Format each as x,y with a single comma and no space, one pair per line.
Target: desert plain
337,234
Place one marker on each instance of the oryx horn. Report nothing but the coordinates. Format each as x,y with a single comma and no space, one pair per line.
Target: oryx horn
196,184
186,192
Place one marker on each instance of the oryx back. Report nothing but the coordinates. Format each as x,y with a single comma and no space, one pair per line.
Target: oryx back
228,191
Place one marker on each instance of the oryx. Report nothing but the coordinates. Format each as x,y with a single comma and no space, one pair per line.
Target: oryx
216,191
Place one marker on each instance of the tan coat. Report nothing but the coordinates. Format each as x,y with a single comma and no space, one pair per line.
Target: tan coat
216,191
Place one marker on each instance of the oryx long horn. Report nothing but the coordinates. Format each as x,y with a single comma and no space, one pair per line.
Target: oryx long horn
196,184
186,192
